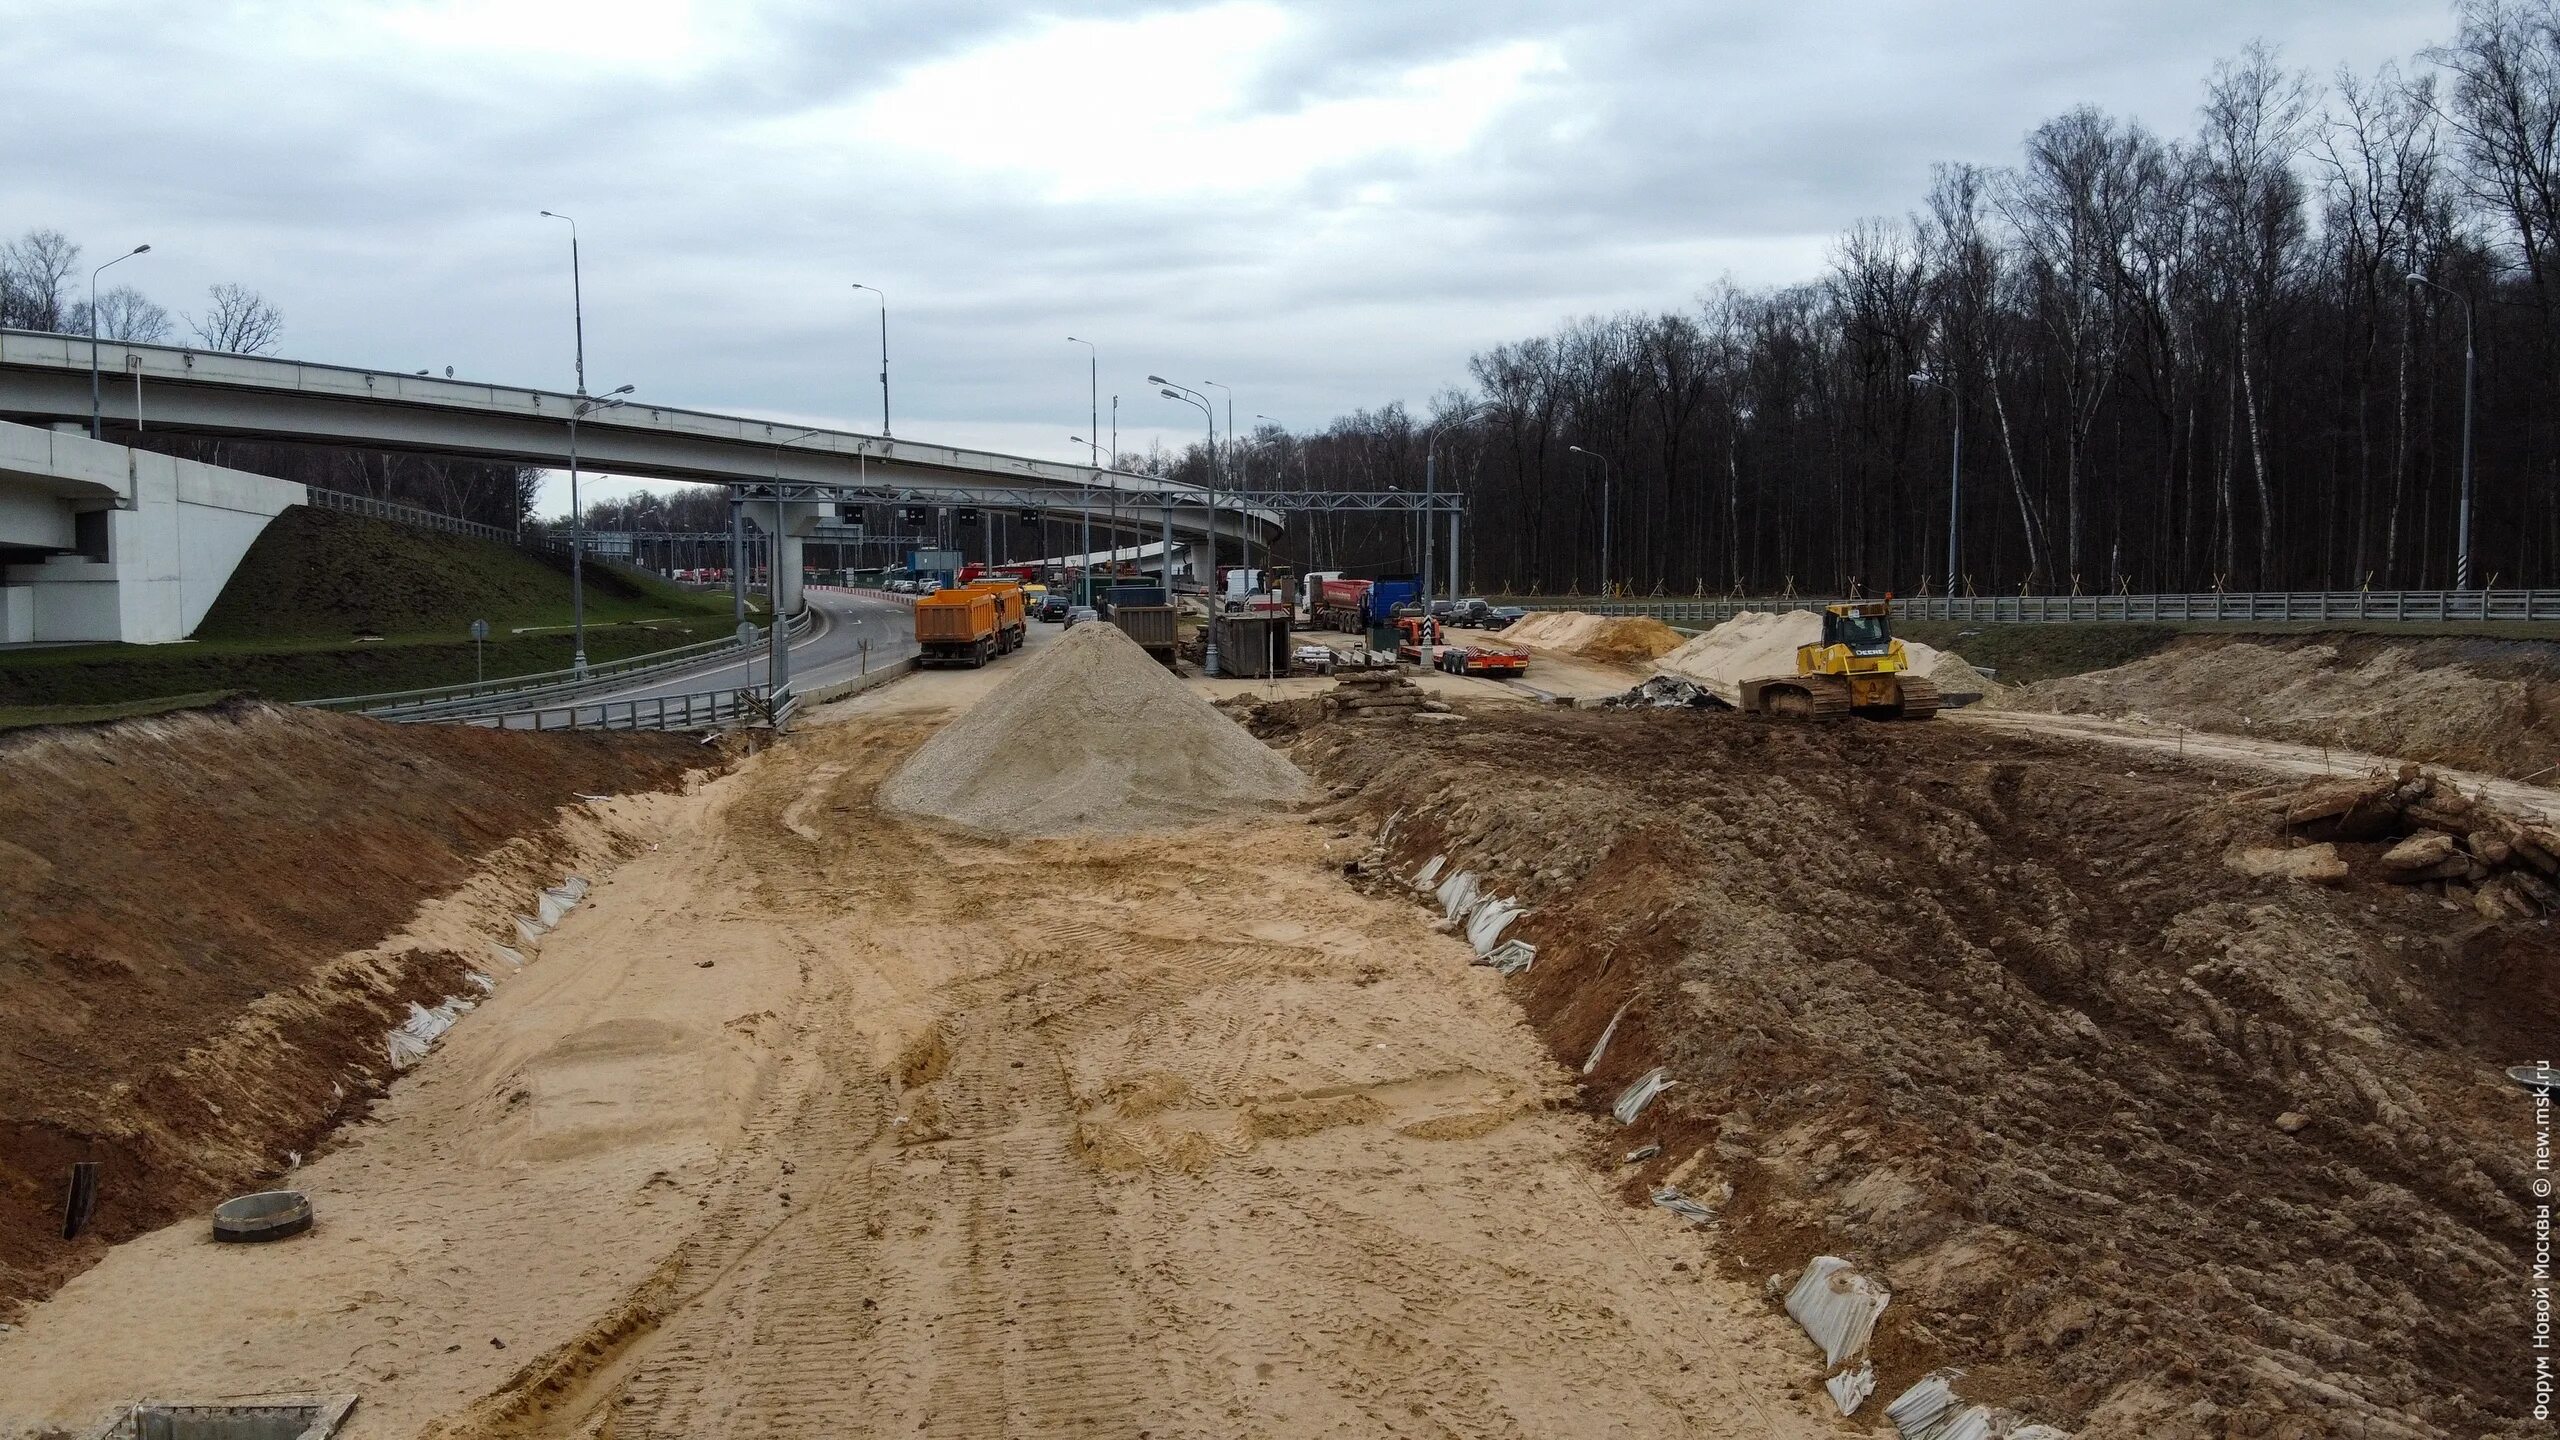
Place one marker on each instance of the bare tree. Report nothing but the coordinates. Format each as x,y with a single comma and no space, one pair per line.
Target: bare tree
124,313
240,321
35,280
2257,118
2505,110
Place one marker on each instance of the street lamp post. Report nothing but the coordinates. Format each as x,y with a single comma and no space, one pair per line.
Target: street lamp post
1093,451
578,410
1085,571
1279,472
884,355
1229,471
1955,467
95,430
2462,507
1171,391
1604,513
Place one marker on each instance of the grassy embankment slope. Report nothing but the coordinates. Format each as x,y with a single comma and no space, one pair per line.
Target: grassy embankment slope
333,604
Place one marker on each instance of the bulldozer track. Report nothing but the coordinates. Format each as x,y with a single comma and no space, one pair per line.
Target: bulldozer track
1920,699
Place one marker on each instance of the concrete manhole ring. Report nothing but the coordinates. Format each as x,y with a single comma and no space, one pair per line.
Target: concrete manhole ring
267,1215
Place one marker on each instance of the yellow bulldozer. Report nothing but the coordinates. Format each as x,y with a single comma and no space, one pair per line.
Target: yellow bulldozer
1857,667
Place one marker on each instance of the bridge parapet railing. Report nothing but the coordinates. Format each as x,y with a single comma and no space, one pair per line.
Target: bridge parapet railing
2385,606
409,515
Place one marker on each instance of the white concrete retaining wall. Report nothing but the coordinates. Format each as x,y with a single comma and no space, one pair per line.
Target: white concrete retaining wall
176,529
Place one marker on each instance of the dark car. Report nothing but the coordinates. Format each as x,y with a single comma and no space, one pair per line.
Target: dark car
1054,608
1504,616
1472,614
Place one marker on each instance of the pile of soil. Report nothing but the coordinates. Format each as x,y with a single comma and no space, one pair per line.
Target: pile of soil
2475,703
1757,643
1092,736
2146,1145
177,895
1611,639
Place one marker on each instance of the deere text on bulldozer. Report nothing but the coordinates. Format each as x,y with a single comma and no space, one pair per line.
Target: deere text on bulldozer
1856,666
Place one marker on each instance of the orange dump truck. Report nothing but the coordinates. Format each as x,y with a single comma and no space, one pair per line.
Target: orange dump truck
957,627
1013,611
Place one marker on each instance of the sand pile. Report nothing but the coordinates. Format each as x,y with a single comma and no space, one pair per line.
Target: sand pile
1093,735
1955,676
1756,643
1615,639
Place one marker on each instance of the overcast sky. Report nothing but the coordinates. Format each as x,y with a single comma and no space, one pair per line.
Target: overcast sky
1326,204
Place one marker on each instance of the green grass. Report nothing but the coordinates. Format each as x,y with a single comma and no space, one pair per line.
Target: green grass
330,604
322,574
2024,653
20,717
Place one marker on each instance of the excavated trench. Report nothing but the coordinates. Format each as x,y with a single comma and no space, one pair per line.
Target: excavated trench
2141,1143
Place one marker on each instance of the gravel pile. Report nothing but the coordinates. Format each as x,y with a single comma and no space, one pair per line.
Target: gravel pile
1093,735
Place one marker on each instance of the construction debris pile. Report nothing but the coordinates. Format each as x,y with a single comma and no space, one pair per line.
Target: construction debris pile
2141,1144
1377,695
1666,692
2421,831
1092,735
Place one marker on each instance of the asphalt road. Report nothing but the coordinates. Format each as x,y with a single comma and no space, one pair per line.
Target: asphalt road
852,633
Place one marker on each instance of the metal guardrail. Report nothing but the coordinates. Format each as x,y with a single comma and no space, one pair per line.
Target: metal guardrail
411,515
568,687
698,710
2386,606
625,669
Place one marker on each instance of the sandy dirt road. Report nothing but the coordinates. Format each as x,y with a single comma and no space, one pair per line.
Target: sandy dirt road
1173,1135
2275,757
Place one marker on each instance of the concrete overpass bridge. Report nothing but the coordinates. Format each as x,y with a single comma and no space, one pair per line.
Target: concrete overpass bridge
792,479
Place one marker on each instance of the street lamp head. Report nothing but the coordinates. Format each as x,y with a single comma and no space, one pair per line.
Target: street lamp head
2415,278
1578,450
1922,377
1158,380
625,390
141,249
1169,395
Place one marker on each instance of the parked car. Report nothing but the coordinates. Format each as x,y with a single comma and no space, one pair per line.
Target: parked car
1078,614
1471,614
1054,607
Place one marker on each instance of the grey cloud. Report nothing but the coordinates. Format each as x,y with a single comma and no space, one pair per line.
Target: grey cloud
389,206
